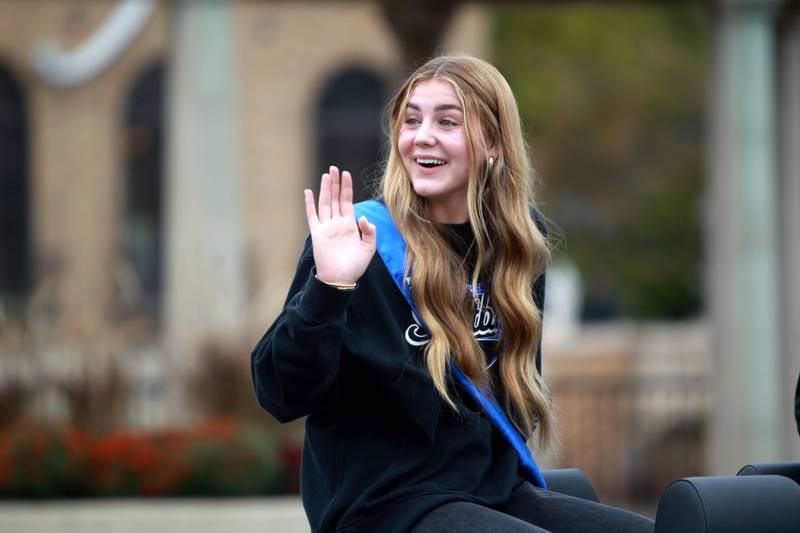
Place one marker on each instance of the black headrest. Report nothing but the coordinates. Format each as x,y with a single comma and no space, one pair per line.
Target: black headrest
767,504
788,469
570,481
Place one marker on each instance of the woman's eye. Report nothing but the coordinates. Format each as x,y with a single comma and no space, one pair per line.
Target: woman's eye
412,121
447,122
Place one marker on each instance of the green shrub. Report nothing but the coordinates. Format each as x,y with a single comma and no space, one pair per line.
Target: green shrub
40,462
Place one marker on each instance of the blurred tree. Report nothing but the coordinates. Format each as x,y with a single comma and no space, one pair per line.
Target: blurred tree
613,100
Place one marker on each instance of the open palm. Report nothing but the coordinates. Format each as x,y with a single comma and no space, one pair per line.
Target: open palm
341,253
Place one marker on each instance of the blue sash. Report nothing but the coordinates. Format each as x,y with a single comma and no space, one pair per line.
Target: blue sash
392,249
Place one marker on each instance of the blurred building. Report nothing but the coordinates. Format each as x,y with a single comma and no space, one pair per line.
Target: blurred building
154,155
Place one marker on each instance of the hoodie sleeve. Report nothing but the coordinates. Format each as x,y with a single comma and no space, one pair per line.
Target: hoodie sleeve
296,362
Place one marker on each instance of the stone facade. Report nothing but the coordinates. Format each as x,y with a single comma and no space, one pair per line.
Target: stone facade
285,52
75,157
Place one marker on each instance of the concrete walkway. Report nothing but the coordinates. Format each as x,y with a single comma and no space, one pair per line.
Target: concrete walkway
262,515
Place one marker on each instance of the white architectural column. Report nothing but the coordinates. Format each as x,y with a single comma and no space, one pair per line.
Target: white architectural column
741,239
789,186
205,241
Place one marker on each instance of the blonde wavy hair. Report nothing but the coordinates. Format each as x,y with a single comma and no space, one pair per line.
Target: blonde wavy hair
511,252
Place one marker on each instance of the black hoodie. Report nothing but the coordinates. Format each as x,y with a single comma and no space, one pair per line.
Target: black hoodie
381,448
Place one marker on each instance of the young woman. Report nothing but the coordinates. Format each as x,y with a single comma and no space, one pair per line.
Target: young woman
417,366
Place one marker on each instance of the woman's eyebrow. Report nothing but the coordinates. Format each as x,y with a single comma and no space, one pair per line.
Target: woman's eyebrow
442,107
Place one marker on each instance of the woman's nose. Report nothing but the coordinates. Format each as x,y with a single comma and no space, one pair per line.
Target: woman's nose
424,135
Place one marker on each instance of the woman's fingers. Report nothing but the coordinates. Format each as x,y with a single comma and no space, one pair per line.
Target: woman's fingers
346,195
325,198
335,187
335,195
311,212
368,232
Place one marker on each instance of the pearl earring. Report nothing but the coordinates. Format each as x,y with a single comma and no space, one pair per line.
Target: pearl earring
491,161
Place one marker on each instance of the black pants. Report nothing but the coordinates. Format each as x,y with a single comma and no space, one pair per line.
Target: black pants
533,510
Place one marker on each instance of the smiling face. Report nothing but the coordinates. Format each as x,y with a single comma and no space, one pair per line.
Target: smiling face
433,146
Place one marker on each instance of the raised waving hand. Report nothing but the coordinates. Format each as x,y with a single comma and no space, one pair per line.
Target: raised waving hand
341,253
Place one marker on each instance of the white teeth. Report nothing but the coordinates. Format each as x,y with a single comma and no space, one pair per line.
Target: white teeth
430,161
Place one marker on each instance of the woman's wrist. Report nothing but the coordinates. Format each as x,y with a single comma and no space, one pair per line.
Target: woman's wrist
342,286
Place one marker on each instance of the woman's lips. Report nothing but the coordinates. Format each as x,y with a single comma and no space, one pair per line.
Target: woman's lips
429,165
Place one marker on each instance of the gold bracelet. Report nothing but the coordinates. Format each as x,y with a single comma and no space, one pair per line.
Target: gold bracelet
340,286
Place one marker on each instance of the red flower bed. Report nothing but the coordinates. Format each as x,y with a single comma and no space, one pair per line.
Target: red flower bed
219,458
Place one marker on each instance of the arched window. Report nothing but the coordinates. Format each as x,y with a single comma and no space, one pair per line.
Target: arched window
348,121
143,235
14,191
